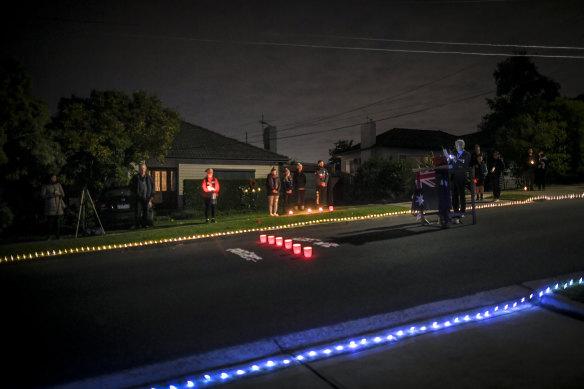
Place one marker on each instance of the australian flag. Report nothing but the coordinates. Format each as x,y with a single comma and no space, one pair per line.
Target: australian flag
427,189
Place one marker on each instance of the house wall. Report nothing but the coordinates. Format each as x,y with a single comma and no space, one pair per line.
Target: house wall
197,172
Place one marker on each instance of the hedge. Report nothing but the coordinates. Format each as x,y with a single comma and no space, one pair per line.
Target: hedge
233,195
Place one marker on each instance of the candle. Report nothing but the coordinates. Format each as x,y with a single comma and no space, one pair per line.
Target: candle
288,243
307,251
297,248
263,238
271,239
279,241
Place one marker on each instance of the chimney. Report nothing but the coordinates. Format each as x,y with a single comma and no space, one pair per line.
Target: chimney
270,137
368,140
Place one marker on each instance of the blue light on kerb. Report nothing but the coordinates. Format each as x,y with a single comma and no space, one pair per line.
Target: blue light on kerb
343,347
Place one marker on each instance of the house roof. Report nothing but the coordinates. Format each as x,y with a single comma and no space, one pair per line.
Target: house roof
195,142
407,138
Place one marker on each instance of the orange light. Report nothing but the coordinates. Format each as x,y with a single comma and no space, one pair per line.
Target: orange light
309,210
290,212
320,209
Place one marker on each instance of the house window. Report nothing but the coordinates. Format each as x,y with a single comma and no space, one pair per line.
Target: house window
157,180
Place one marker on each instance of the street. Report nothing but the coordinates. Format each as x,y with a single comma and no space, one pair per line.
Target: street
78,316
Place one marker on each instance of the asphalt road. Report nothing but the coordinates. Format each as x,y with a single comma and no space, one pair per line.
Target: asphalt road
78,316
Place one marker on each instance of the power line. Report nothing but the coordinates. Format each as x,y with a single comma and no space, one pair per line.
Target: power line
521,46
394,116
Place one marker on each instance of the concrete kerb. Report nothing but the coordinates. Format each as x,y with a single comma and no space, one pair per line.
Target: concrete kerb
287,344
557,302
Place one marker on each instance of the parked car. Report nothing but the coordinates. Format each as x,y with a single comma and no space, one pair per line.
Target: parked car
117,207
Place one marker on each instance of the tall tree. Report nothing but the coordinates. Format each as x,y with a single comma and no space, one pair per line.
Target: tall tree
102,135
557,128
518,82
340,146
28,154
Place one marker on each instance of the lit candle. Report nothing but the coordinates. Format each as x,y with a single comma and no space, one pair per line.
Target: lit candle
279,241
288,243
320,209
331,208
263,238
307,251
271,239
297,248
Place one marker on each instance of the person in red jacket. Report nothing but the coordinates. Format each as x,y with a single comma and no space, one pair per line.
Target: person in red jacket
211,188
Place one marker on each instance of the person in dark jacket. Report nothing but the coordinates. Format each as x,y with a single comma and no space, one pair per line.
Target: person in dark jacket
273,188
210,186
321,180
529,169
480,168
287,186
143,187
53,194
540,169
496,173
459,161
299,186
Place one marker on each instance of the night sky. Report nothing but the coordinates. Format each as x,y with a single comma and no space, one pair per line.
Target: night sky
316,70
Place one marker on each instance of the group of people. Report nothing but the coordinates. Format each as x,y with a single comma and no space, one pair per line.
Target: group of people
486,171
534,169
453,195
295,185
292,186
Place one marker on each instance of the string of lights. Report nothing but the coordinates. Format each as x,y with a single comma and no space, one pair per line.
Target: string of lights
385,337
89,249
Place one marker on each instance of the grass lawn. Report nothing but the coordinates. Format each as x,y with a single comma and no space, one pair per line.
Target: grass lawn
169,229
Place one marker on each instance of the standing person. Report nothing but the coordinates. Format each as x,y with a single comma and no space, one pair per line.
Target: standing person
540,168
476,153
321,178
460,161
529,169
480,168
53,194
211,188
299,186
497,175
143,187
288,186
273,187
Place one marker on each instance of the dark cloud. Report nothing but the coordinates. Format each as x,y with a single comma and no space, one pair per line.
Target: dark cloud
224,64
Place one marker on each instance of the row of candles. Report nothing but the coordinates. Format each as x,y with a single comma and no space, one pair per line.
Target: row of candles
279,241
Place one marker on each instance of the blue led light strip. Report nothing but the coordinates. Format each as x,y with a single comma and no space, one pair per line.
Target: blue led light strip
280,361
